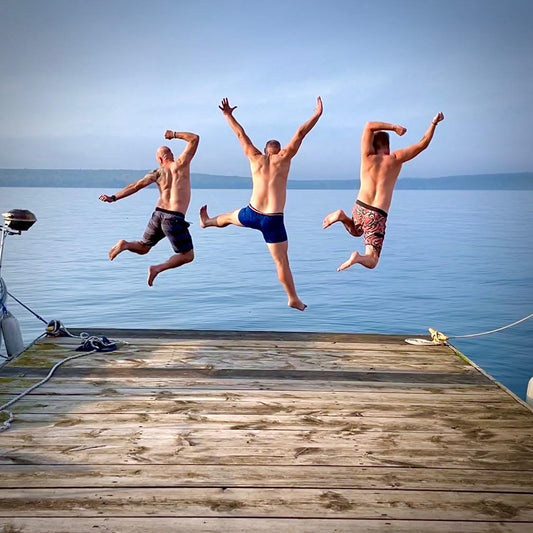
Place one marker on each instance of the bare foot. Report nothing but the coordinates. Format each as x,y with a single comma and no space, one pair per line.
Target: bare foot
368,260
297,304
348,223
153,271
354,258
331,219
204,217
119,247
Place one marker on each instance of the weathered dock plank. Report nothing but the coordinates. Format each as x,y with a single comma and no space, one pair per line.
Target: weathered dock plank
262,431
266,502
303,476
256,525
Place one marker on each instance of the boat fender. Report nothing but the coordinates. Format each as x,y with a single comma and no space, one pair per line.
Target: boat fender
12,334
529,394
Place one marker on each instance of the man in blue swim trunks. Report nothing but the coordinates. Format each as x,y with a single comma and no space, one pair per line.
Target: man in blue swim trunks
173,180
379,171
270,172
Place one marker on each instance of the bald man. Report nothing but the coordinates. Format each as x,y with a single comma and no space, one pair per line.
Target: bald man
173,180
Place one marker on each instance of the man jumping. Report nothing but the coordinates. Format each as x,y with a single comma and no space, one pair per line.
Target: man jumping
379,171
270,172
168,220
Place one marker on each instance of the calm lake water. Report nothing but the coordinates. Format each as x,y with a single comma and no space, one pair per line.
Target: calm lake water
458,261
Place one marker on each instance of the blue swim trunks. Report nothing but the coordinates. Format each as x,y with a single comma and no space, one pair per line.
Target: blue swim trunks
269,224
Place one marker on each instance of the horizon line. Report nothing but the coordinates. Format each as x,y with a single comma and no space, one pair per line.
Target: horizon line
248,177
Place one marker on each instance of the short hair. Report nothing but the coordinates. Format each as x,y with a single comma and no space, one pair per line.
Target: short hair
273,144
381,138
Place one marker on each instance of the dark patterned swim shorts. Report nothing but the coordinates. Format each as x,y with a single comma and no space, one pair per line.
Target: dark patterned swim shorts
371,222
169,224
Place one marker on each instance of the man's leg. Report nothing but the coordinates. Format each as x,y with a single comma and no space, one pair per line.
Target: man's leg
340,216
369,259
131,246
219,221
279,252
173,262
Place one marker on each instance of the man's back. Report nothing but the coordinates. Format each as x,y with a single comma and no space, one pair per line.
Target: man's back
379,173
174,177
174,183
269,179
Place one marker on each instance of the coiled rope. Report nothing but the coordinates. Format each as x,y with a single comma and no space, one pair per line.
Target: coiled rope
437,337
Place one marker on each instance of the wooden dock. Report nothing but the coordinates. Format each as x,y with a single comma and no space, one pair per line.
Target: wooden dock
244,432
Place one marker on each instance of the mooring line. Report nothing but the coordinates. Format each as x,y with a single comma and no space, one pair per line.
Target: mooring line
437,337
27,308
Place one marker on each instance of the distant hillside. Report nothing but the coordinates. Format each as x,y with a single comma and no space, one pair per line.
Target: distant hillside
104,179
116,179
518,181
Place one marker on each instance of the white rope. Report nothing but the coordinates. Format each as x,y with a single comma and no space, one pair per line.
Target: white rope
3,408
420,341
493,330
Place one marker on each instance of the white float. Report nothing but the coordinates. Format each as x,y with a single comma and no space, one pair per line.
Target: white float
529,393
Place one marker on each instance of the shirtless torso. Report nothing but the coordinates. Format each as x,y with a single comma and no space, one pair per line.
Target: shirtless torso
173,180
379,173
270,174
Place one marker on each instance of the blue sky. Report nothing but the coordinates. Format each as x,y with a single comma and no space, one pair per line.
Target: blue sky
94,84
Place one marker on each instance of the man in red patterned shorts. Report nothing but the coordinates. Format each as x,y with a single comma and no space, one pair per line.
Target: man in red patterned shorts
379,171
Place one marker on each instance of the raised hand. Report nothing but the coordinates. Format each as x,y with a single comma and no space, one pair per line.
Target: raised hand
400,130
225,107
438,117
319,108
169,134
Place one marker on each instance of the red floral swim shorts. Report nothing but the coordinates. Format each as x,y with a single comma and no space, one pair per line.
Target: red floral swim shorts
371,222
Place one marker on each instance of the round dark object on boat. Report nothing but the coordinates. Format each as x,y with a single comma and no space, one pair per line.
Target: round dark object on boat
19,219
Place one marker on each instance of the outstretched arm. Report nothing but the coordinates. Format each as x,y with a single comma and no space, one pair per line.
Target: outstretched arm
294,144
367,138
192,143
247,145
406,154
132,188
